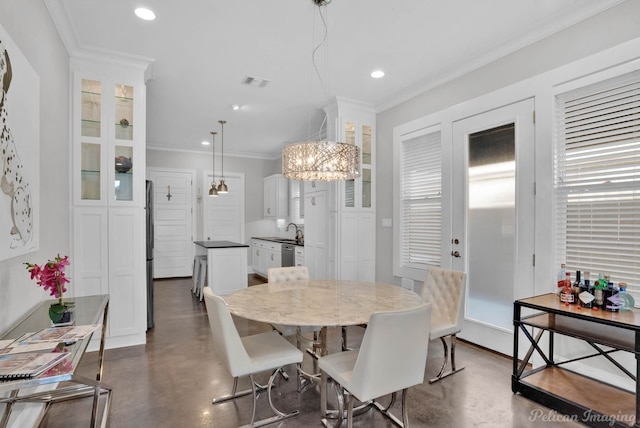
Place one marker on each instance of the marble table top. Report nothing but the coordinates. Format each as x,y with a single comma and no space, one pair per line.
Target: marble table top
326,303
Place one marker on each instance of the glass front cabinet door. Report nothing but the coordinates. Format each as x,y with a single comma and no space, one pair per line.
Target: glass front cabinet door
355,124
107,142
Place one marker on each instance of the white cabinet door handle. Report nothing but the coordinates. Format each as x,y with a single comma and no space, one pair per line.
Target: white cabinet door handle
313,201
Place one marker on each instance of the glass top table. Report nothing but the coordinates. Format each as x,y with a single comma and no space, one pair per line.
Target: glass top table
87,310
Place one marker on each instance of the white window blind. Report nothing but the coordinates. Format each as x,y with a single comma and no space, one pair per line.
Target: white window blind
597,180
421,201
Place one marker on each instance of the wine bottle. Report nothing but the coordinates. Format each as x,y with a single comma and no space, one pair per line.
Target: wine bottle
575,288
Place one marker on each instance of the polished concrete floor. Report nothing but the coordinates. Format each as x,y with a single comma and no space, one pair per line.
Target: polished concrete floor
170,381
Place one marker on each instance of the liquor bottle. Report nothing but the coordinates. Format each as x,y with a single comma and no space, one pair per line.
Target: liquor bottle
566,295
562,275
586,292
611,298
598,292
627,301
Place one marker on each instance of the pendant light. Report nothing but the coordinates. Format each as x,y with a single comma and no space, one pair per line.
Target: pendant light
222,187
321,160
213,192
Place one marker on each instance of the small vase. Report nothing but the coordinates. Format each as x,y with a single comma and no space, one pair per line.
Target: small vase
60,315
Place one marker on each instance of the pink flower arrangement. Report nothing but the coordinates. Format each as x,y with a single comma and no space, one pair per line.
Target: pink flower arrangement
51,275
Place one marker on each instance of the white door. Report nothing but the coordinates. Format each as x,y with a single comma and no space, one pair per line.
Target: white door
173,222
493,213
224,215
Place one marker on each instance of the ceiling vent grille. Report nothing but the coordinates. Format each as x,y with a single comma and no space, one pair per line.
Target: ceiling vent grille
255,82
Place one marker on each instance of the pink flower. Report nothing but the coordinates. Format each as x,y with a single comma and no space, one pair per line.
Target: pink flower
51,275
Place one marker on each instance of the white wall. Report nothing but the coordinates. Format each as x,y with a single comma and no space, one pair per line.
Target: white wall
253,169
29,25
611,28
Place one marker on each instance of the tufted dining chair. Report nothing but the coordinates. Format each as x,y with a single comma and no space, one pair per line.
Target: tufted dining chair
445,289
245,356
294,273
391,358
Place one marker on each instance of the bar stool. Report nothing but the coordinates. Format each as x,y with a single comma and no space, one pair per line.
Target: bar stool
196,273
202,277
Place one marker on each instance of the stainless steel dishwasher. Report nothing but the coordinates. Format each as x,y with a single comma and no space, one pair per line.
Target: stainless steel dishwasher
288,255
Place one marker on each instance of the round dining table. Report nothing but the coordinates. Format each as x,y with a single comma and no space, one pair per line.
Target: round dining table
322,302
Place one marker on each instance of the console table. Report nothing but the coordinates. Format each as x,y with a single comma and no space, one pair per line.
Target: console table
580,398
61,382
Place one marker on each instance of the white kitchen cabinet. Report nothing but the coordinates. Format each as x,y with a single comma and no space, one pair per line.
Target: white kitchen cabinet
265,254
274,256
108,187
276,196
316,233
299,256
255,255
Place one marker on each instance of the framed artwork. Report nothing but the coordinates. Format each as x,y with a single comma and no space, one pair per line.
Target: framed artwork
19,151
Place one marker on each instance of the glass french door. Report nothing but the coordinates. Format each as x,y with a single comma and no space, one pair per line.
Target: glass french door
493,213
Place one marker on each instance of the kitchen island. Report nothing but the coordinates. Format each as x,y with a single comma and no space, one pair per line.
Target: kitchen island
226,265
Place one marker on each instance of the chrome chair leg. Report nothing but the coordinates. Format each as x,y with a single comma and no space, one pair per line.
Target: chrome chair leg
442,374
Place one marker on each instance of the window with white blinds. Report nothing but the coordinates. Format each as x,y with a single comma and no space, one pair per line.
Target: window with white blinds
597,180
421,201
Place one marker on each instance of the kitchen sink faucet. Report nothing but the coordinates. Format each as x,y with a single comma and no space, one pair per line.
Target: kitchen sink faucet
299,235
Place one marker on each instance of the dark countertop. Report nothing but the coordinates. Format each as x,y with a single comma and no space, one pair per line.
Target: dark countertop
280,240
219,244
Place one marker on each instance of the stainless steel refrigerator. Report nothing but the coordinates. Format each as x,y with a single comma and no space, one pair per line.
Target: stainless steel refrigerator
149,214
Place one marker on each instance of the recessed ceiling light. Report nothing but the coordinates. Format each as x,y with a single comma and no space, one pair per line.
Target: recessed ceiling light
235,107
377,74
144,13
205,143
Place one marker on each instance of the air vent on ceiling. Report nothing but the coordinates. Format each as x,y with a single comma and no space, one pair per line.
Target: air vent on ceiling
255,82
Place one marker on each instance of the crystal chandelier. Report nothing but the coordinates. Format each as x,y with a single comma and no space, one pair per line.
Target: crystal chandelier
321,160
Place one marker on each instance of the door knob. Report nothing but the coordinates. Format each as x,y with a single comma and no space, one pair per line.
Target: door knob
455,253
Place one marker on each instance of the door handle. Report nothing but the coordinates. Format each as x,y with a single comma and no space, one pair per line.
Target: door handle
455,253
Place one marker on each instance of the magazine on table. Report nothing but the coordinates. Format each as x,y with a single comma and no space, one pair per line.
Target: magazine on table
27,365
55,335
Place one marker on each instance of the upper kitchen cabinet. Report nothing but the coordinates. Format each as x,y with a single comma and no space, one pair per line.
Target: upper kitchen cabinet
108,136
276,196
353,122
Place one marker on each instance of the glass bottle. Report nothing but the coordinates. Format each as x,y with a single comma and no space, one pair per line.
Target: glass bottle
566,294
598,291
611,298
575,287
562,275
627,301
586,292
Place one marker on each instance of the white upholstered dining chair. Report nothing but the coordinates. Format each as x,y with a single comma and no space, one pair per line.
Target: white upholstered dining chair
284,274
445,289
392,357
245,356
295,273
